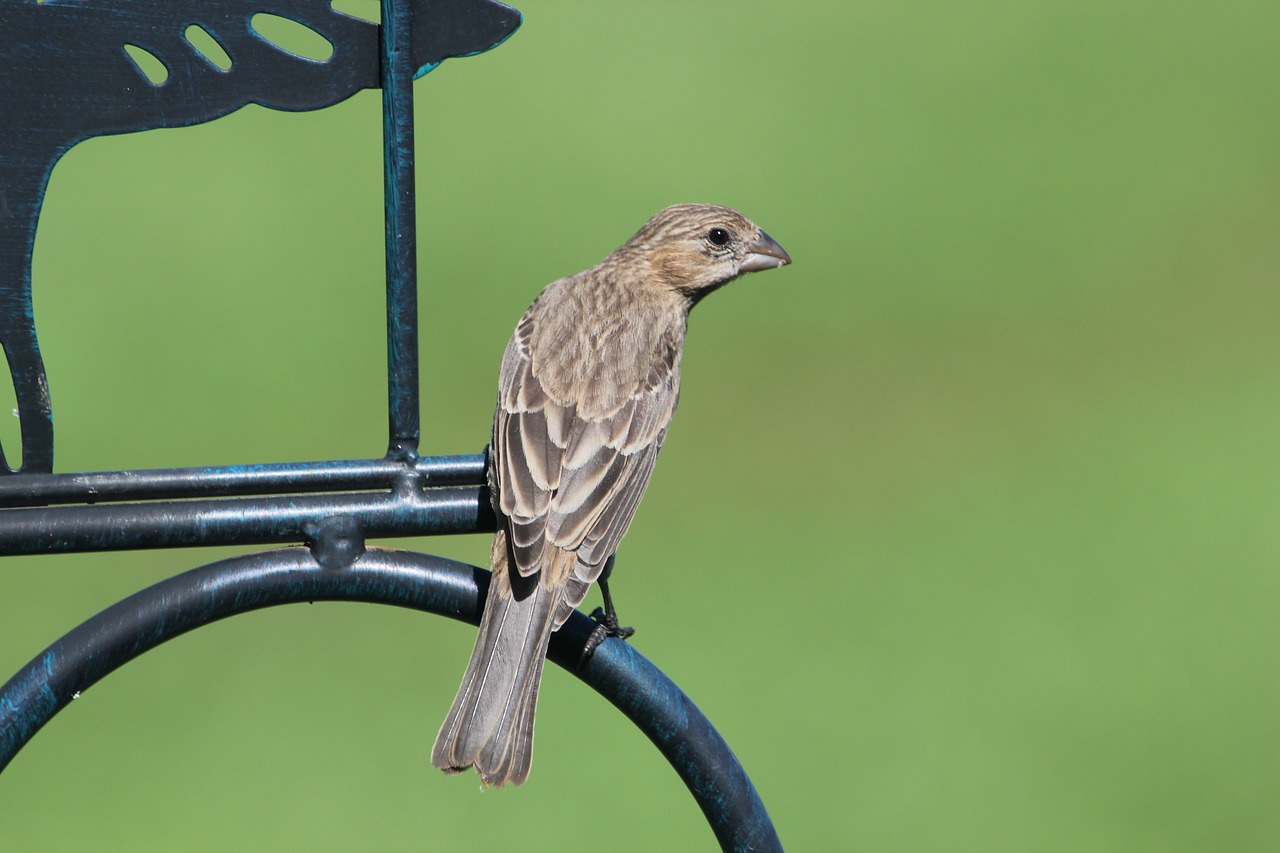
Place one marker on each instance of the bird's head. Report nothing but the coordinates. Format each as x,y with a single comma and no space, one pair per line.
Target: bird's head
693,249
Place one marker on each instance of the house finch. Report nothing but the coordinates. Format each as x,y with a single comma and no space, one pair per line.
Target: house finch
588,385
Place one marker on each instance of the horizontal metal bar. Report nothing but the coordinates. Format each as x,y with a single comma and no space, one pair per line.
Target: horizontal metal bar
241,521
237,480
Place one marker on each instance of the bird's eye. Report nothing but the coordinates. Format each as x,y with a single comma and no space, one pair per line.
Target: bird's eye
718,236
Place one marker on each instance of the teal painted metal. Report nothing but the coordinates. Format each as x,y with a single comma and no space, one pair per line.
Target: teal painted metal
401,230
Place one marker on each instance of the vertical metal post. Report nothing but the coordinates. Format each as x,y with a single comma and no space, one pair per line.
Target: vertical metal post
401,219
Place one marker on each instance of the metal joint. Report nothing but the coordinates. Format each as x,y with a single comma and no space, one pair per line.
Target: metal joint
337,542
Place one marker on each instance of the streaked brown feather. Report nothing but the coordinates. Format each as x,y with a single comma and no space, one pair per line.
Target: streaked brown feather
591,491
586,441
543,456
521,497
559,423
600,543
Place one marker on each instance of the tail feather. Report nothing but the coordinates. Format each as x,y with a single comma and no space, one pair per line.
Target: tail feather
490,725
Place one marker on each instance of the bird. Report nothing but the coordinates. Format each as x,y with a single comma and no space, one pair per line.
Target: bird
588,384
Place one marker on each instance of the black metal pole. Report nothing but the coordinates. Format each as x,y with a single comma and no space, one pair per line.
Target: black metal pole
401,221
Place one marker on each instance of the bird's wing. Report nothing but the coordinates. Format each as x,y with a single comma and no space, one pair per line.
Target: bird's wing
570,482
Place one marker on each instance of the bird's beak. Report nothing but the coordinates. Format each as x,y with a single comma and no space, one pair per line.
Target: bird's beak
765,254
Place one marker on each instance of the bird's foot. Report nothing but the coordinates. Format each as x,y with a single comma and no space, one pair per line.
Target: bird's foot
606,626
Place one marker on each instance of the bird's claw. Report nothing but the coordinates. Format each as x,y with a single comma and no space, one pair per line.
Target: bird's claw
606,626
609,622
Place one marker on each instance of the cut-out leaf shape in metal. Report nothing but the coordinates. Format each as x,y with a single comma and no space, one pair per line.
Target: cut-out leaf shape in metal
74,69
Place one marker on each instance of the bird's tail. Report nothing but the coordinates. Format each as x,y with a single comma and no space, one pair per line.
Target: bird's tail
490,724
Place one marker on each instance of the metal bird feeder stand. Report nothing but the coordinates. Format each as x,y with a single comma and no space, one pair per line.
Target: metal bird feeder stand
65,77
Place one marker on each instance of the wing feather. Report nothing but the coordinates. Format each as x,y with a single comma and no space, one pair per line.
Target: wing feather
598,545
585,493
568,482
521,497
542,456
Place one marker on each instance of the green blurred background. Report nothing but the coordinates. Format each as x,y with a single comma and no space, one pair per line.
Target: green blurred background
964,536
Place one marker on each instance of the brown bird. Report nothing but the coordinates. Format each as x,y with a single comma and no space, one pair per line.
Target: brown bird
588,385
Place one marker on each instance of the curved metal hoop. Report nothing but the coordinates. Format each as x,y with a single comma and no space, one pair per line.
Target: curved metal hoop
187,601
